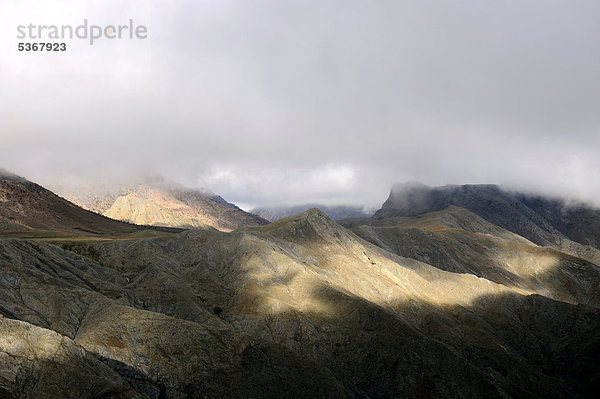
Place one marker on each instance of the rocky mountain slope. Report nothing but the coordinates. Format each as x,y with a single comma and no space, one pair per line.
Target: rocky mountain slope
159,202
26,206
571,228
334,212
459,241
444,304
301,307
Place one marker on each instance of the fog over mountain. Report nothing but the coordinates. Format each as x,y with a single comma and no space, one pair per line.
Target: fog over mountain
300,199
270,103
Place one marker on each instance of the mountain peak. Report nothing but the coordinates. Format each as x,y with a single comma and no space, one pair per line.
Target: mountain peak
312,225
335,212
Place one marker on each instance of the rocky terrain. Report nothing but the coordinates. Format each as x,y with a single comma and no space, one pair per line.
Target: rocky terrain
459,241
160,202
572,228
445,303
28,207
334,212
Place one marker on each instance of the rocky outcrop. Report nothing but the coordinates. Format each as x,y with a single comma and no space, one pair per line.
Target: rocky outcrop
40,363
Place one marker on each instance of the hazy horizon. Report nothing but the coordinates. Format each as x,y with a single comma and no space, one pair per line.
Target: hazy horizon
285,103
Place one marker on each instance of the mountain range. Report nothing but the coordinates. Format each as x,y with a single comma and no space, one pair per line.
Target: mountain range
445,292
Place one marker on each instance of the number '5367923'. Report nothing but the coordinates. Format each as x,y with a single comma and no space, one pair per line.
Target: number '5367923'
42,47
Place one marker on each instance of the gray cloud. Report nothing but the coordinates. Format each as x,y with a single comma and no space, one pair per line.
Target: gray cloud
273,102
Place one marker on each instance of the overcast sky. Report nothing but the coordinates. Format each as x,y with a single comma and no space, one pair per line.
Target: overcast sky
269,102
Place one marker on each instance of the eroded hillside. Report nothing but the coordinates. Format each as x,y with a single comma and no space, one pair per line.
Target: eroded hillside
28,207
302,308
160,202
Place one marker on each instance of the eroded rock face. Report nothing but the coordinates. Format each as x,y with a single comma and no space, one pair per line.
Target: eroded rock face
40,363
306,308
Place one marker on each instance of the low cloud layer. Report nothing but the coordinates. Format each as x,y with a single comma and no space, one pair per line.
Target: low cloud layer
270,102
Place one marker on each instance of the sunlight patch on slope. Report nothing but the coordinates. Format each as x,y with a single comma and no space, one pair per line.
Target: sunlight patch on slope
277,281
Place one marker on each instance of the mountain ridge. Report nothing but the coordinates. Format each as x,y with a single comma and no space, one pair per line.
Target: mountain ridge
336,212
26,206
158,201
522,214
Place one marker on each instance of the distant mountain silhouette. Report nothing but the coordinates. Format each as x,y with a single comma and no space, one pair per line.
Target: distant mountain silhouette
336,212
